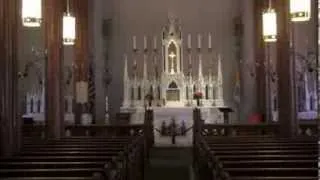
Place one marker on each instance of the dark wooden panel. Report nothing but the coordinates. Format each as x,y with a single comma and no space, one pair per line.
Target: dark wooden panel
259,56
9,122
53,12
286,95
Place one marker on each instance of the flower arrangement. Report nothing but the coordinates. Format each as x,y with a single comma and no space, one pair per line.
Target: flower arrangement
198,95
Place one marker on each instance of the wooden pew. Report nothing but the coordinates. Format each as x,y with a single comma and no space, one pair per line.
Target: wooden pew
263,158
78,158
269,163
258,158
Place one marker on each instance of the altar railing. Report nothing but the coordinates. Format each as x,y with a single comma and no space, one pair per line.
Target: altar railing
240,129
32,130
304,129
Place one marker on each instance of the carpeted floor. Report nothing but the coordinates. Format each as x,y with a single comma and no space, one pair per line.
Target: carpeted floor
169,163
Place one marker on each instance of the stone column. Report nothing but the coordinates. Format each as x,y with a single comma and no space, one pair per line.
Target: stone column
81,49
286,88
248,85
259,57
98,33
10,122
53,12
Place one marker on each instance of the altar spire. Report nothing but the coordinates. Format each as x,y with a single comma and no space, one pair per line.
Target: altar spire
125,81
220,101
145,70
200,74
125,71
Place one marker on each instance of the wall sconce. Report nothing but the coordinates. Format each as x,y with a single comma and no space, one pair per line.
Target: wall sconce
269,20
31,13
300,10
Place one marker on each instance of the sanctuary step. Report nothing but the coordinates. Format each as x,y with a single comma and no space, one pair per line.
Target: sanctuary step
169,163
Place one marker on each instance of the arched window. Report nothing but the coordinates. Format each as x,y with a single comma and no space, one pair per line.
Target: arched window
301,98
207,92
132,93
275,103
159,92
172,58
66,105
38,105
213,93
187,92
311,103
173,85
139,93
32,104
151,91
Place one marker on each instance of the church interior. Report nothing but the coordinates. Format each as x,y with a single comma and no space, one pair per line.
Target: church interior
149,89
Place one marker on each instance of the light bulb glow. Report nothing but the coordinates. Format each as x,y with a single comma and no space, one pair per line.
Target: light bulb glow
69,29
31,13
269,20
300,10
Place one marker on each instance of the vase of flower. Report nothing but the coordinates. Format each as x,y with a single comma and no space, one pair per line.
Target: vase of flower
197,96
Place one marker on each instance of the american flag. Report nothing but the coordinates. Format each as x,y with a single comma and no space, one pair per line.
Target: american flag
91,90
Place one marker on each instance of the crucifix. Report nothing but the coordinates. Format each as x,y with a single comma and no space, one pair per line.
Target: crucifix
172,56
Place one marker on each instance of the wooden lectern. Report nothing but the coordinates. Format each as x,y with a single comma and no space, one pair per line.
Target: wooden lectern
225,111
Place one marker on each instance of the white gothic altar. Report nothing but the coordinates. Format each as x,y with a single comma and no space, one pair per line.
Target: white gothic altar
170,87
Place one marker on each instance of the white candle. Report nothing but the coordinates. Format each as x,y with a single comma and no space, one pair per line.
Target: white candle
145,42
189,41
134,42
155,42
199,41
209,41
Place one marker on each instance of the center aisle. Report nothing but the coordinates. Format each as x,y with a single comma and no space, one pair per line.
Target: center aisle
170,163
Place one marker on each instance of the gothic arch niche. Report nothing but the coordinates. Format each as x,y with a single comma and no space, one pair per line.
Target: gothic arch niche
172,57
173,92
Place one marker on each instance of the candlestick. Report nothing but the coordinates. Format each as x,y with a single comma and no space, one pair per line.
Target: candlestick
134,42
145,42
209,41
199,41
189,41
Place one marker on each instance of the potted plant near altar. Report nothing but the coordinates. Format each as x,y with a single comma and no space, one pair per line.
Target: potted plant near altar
197,96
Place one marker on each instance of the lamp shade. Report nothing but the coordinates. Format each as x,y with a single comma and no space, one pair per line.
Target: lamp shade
300,10
269,20
31,13
69,29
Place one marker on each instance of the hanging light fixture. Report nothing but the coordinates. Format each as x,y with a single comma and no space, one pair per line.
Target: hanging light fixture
31,13
69,28
300,10
269,21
